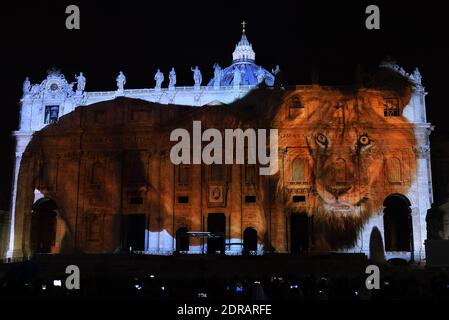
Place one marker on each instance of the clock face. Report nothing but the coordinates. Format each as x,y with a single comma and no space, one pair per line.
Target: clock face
54,87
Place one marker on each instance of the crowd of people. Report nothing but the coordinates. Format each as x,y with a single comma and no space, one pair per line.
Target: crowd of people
25,282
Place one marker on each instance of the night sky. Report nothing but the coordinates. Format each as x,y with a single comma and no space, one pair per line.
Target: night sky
140,36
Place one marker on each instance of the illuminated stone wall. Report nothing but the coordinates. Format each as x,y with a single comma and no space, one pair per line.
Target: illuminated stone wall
111,159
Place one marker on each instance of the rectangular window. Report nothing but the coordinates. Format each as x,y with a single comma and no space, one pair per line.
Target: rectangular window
299,199
51,114
250,199
298,169
136,200
183,199
391,108
394,170
183,175
250,174
135,170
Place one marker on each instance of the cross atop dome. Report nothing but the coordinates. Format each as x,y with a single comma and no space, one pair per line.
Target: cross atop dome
243,26
243,50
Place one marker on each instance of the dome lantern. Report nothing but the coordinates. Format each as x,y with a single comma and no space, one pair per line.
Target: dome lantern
243,50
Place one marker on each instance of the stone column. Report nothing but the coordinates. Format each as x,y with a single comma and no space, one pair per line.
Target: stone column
424,190
155,204
16,231
25,114
278,229
166,235
235,195
197,181
13,250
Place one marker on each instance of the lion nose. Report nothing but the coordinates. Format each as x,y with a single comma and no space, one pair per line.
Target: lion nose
338,191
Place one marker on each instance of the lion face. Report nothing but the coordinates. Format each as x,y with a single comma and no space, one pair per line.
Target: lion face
344,164
349,143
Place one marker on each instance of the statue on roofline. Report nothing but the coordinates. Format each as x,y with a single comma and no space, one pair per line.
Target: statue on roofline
121,81
218,73
260,74
159,78
80,82
26,86
172,79
197,77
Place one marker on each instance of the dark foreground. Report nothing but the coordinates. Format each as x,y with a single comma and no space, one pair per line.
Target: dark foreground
218,278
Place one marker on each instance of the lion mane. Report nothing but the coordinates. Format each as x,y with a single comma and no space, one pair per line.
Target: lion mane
352,158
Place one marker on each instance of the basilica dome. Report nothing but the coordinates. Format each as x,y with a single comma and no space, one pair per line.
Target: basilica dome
244,59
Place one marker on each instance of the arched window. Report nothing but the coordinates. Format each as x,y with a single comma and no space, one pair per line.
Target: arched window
298,173
135,168
397,223
295,107
394,170
97,174
340,171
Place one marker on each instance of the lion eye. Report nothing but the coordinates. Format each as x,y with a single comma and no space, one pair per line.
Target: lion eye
364,140
321,139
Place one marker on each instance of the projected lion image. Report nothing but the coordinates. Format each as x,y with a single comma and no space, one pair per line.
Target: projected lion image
341,153
350,156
